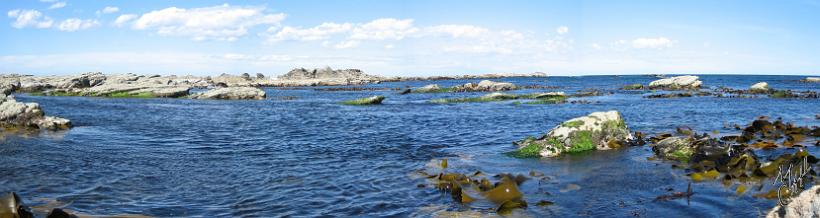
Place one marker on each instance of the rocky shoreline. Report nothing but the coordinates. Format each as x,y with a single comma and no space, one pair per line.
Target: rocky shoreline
732,159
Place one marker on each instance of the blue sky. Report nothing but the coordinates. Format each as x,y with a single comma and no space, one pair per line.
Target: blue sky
411,38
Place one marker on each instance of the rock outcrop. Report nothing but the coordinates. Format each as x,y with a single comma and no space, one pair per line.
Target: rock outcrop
18,114
677,83
596,131
232,93
760,87
811,80
806,204
484,86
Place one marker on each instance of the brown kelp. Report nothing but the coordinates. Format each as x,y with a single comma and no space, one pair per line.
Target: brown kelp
500,190
736,160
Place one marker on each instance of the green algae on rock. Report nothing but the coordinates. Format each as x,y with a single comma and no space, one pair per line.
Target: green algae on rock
365,101
596,131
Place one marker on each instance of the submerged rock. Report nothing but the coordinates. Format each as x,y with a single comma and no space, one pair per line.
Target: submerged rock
807,204
596,131
13,113
760,87
366,101
232,93
676,83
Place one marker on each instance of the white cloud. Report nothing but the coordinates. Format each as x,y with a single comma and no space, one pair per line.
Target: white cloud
57,5
389,46
562,30
123,19
351,35
652,43
74,24
457,31
347,44
109,10
383,29
29,18
595,46
321,32
222,22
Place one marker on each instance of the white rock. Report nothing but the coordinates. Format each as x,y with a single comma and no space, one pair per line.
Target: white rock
602,127
806,204
428,88
678,82
761,86
487,85
15,113
232,93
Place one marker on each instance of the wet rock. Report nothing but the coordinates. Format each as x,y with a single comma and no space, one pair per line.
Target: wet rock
11,206
674,148
670,95
232,93
761,87
549,95
13,113
596,131
676,83
60,213
633,87
428,88
366,101
806,204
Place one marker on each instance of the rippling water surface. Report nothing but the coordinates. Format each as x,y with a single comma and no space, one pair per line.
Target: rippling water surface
314,157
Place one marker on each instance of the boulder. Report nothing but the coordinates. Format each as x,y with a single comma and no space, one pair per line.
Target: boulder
676,83
428,88
83,81
759,87
806,204
674,148
13,113
596,131
232,93
490,86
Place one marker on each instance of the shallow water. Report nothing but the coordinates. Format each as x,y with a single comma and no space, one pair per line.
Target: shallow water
314,157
